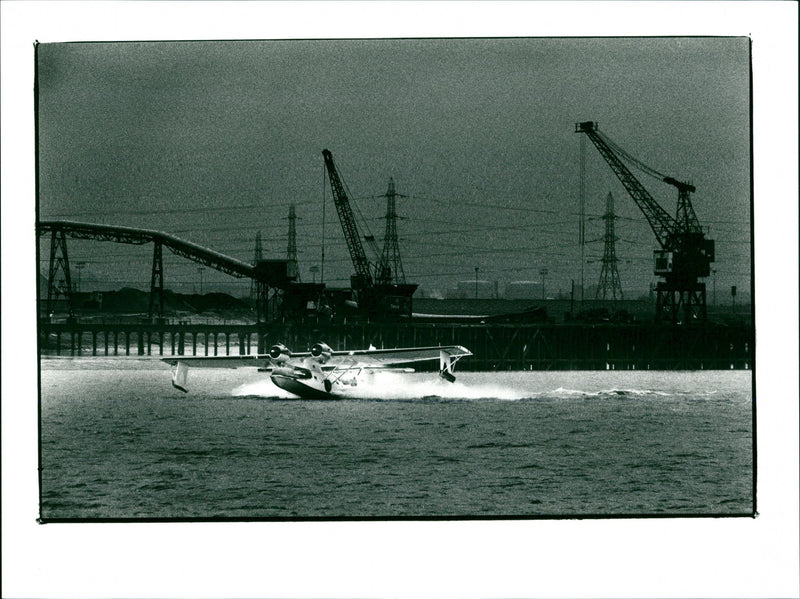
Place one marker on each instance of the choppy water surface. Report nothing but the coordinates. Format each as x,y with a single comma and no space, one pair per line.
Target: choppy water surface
119,442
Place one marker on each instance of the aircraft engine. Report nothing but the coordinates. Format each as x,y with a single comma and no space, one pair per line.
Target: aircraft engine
321,352
279,353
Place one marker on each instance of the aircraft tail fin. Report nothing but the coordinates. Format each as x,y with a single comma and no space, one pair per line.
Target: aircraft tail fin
179,376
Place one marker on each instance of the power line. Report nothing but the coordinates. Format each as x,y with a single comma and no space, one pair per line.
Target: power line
177,211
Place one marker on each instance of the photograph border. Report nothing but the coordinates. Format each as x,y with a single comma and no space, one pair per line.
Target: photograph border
450,559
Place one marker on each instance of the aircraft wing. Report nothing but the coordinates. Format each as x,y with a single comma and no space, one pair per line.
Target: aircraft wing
389,357
220,361
447,355
182,363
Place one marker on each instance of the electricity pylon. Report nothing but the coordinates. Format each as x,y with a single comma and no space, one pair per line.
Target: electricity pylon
609,284
390,268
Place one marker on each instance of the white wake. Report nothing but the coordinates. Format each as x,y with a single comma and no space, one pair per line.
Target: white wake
262,388
393,385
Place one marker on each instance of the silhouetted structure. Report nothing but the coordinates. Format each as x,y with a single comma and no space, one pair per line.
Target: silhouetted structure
685,253
390,269
609,284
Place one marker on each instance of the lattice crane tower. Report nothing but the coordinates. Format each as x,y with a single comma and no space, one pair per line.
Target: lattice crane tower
609,276
390,268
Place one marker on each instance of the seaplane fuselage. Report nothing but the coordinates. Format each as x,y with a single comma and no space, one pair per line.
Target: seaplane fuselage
304,380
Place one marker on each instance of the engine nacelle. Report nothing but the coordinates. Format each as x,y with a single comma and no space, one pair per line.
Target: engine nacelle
279,353
321,352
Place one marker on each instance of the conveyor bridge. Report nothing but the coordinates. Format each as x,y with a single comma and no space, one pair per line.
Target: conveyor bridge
266,274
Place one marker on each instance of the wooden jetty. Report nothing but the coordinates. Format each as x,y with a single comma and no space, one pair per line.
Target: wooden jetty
496,346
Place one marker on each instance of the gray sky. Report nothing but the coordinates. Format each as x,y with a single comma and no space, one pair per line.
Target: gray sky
212,141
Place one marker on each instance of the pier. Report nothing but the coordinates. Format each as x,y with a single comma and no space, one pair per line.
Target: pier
496,346
99,339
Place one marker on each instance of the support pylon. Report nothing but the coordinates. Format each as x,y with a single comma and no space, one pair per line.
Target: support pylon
390,268
59,262
258,255
609,284
157,282
263,312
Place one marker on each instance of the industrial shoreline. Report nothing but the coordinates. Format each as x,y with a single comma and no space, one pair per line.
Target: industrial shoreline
496,346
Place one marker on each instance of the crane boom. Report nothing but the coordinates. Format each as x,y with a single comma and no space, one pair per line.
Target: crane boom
346,217
663,225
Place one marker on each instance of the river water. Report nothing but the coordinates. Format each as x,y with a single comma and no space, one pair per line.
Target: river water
117,441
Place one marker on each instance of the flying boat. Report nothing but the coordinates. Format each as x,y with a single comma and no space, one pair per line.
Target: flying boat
323,373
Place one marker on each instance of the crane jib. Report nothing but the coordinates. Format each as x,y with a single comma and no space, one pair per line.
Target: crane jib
347,218
662,224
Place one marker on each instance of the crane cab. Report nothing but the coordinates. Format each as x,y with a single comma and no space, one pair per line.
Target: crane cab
662,262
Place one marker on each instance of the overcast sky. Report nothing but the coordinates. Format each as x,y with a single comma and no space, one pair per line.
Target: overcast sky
212,141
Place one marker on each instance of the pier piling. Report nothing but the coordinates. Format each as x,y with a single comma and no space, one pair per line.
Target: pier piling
496,346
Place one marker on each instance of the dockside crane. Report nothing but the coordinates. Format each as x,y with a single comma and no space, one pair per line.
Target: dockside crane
373,297
363,277
685,254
